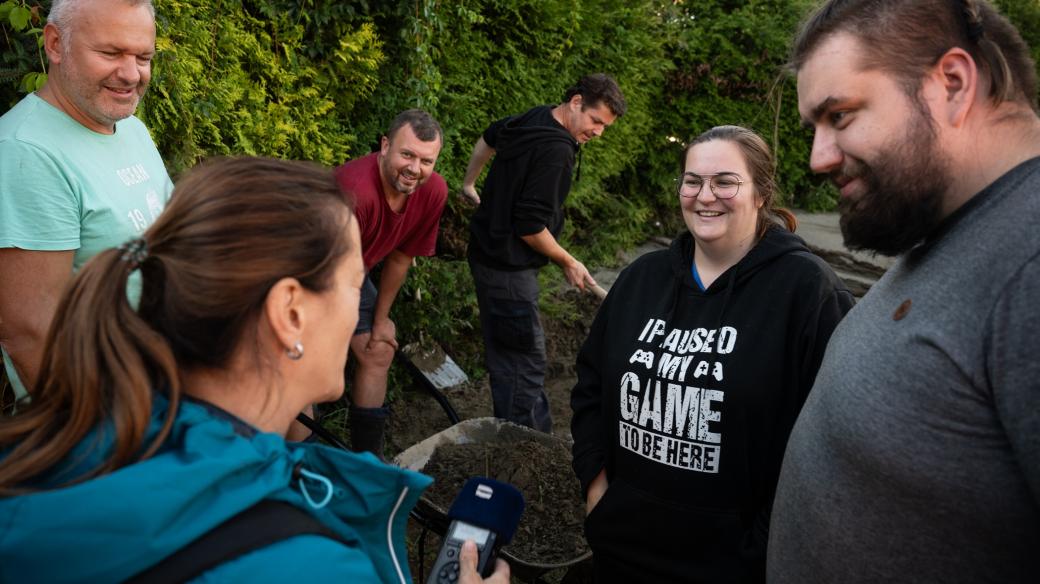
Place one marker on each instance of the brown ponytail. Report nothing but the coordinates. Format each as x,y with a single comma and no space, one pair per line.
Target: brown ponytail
100,363
232,229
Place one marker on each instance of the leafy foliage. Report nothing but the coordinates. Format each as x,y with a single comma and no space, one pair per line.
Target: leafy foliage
235,77
22,62
1025,15
728,60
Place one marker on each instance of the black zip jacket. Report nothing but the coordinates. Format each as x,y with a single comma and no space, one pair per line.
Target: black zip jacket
687,399
523,193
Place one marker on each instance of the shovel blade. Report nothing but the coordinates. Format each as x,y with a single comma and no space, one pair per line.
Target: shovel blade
435,366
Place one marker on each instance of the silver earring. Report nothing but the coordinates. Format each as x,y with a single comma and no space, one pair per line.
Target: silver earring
296,352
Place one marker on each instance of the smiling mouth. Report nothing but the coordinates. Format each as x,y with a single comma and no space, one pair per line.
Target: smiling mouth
122,91
709,213
845,184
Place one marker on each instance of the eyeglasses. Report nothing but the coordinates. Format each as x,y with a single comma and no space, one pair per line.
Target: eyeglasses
724,185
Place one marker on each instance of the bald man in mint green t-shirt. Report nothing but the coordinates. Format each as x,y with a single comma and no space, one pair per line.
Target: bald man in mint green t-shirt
64,187
78,172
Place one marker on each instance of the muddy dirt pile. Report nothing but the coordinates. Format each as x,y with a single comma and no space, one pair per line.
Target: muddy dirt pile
550,530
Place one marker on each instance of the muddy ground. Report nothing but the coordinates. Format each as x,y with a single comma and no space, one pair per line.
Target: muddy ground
416,416
550,531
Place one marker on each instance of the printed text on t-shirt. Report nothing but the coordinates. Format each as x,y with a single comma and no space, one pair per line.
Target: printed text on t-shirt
662,417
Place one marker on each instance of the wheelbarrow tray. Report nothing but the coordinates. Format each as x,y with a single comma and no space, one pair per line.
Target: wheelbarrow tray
481,431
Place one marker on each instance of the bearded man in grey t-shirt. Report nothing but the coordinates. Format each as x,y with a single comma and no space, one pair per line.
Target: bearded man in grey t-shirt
917,455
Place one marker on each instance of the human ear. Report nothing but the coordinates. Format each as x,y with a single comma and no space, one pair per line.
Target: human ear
52,43
284,311
958,77
384,146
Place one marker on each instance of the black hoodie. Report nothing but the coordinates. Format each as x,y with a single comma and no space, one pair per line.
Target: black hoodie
524,191
687,399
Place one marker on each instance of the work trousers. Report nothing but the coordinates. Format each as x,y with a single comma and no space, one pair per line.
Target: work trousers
514,344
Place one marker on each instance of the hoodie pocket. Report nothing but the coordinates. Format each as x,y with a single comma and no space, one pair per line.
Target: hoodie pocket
636,533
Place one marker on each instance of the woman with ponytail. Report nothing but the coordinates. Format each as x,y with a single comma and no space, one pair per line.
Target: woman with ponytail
155,428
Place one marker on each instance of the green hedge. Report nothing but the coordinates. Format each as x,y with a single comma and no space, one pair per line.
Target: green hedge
236,77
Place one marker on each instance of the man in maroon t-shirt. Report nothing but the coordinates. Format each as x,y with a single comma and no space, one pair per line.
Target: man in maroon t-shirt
398,204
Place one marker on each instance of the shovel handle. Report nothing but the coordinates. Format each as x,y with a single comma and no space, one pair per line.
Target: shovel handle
598,291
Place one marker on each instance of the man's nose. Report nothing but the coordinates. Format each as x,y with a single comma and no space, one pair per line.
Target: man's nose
129,71
825,156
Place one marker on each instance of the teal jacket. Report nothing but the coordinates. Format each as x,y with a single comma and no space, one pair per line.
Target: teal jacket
211,467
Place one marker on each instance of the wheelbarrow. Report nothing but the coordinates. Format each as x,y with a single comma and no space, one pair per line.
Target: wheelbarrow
482,431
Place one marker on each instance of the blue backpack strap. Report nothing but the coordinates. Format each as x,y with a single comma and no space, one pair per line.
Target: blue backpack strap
257,527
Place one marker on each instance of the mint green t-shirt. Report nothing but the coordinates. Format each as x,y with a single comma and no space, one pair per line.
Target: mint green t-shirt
65,187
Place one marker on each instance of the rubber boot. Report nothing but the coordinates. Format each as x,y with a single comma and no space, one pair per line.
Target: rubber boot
366,429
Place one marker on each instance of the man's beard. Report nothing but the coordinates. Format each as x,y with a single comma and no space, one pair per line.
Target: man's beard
905,185
86,94
400,187
396,181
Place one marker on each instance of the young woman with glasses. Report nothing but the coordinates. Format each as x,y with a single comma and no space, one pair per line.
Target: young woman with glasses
694,372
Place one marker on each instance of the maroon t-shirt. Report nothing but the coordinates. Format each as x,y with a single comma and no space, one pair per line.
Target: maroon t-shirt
413,231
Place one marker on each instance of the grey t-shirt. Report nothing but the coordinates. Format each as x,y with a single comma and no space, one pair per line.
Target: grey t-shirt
917,455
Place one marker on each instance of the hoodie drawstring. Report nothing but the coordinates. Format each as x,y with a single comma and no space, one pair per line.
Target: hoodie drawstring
315,477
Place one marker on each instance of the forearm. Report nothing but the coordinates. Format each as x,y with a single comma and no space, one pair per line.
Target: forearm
31,285
25,349
544,243
576,273
477,160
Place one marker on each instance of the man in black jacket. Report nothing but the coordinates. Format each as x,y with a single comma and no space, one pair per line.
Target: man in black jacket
515,229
